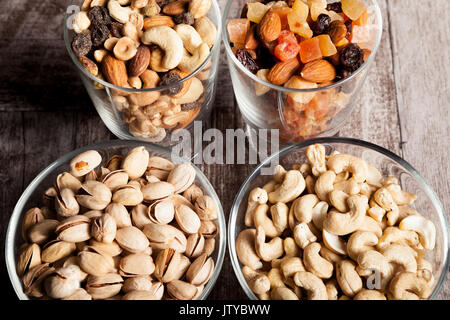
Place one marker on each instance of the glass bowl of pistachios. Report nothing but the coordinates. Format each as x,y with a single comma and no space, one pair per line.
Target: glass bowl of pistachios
118,220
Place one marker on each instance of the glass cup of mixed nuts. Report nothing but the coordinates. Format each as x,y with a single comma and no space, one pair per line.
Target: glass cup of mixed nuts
297,65
149,66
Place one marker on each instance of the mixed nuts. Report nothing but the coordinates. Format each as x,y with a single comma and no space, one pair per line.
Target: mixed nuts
333,228
138,228
146,44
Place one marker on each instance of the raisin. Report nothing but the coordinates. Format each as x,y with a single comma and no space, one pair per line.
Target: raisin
348,24
335,6
189,106
247,61
162,3
81,44
116,29
99,34
99,16
322,23
351,57
169,78
184,18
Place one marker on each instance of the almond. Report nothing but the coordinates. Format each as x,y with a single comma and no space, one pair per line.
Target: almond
115,71
251,43
318,71
282,71
337,31
139,63
269,28
175,8
158,20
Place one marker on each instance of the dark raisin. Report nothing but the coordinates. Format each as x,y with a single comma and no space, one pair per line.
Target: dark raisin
184,18
335,6
162,3
116,29
322,23
81,44
99,16
189,106
348,24
169,78
246,59
265,58
99,34
351,57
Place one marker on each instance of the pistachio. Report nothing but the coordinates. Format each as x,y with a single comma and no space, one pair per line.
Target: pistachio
91,176
161,212
160,163
132,239
115,179
170,265
128,195
98,195
187,219
78,294
155,175
33,279
136,264
48,213
74,229
103,229
56,250
139,216
157,290
178,199
111,249
139,295
210,245
157,190
85,162
49,197
42,231
206,208
135,162
73,261
208,229
181,290
31,217
182,176
200,271
29,257
104,286
114,163
120,214
66,204
95,262
92,214
163,236
192,193
137,283
195,245
67,181
63,282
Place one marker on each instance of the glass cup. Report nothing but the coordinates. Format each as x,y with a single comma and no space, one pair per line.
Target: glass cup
389,164
151,114
299,114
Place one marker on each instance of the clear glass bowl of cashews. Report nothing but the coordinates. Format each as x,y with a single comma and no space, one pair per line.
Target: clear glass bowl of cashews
339,219
116,220
149,66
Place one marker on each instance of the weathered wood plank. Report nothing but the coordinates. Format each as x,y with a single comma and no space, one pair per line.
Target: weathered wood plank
423,91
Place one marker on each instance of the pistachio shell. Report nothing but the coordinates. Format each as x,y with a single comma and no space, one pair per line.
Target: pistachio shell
103,229
98,195
66,204
139,216
192,193
161,212
42,231
208,229
163,236
160,163
63,283
120,214
210,245
73,260
104,286
32,280
136,264
92,214
181,290
135,162
178,199
67,181
114,162
200,271
157,190
49,197
91,176
128,195
139,295
79,294
85,162
115,179
206,208
95,263
195,245
31,217
132,239
74,229
157,290
182,176
155,175
170,265
111,249
187,219
56,250
137,283
29,257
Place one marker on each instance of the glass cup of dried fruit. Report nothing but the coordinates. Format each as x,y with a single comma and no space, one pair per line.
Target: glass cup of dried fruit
149,66
297,65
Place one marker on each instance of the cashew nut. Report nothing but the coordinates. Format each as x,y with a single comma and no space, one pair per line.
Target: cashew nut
278,173
405,211
373,261
424,227
374,177
347,277
283,293
119,13
245,249
350,186
290,266
169,41
384,199
367,190
258,282
319,214
257,196
303,207
290,247
338,199
190,37
345,162
401,197
324,184
199,8
316,157
359,242
395,235
206,29
276,278
375,211
261,219
366,294
270,186
345,223
81,22
369,224
401,255
334,243
332,289
270,250
312,284
156,58
303,235
189,63
315,263
292,186
425,271
150,79
193,94
329,255
408,286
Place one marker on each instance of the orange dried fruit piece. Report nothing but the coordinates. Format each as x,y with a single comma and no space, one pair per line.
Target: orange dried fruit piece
310,50
326,45
299,25
342,43
301,8
256,11
353,8
359,34
237,30
318,107
317,7
363,19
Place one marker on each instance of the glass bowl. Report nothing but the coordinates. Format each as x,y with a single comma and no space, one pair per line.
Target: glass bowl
32,196
116,105
388,163
287,109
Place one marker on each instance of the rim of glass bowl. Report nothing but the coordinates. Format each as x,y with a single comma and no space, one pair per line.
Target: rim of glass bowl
13,225
283,89
255,173
74,58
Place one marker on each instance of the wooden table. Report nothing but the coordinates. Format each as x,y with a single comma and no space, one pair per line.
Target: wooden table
45,111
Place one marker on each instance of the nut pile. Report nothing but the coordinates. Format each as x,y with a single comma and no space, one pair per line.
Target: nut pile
334,228
303,44
139,229
145,44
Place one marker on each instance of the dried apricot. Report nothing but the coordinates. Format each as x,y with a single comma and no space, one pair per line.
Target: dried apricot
353,8
310,50
237,30
326,45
